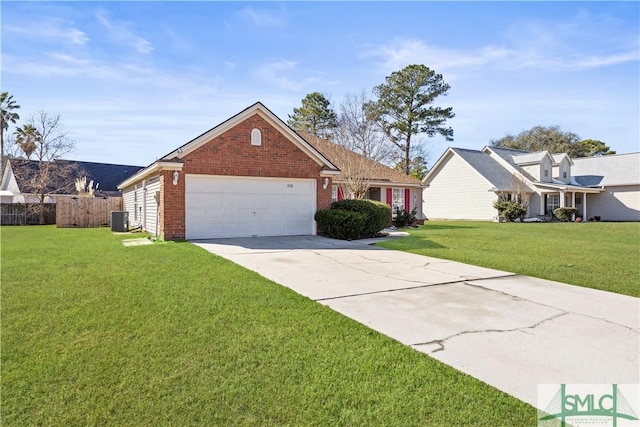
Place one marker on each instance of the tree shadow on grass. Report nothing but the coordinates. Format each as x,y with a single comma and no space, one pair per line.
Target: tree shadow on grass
428,226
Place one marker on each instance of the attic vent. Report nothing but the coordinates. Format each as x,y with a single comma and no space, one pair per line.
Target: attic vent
256,137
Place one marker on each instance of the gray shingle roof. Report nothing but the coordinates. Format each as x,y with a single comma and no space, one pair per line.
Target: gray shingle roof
618,169
486,166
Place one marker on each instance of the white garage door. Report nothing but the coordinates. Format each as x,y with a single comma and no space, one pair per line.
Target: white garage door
217,206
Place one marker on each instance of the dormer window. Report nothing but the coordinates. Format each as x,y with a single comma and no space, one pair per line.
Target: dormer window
546,173
256,137
564,174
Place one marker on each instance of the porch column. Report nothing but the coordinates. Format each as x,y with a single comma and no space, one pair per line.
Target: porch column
542,197
573,205
584,207
562,197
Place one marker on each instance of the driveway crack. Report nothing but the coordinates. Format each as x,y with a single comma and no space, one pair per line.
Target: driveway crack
441,342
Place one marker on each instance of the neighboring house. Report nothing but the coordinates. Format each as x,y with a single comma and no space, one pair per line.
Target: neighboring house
251,175
386,185
16,185
464,184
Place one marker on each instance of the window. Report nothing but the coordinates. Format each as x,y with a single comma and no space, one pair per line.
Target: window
553,202
398,199
546,173
256,137
564,175
334,193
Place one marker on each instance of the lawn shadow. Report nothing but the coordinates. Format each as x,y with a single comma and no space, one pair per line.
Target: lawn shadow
428,226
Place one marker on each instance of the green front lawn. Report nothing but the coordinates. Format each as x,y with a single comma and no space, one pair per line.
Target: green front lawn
600,255
95,333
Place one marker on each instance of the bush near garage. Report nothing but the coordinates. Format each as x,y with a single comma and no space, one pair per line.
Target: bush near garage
341,224
378,214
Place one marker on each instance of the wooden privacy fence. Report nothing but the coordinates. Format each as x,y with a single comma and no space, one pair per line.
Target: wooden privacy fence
85,212
26,213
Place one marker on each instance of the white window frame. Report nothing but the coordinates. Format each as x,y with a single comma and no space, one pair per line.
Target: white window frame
256,137
334,193
398,198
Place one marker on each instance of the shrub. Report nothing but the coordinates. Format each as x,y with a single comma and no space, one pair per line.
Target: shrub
404,218
510,210
564,214
377,214
340,224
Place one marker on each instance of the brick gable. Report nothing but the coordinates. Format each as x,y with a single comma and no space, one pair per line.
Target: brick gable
231,153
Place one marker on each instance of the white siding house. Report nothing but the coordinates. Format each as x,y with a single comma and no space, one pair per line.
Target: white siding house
454,190
463,184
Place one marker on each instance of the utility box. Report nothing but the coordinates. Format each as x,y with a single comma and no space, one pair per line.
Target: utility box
119,221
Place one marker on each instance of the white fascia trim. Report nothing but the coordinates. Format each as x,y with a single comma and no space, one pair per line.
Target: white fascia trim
436,166
571,188
150,170
385,184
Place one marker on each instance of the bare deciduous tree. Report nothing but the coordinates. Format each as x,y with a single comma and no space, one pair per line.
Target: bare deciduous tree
47,173
360,133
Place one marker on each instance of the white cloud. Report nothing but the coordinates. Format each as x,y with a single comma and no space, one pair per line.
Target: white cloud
50,31
281,74
400,53
268,18
121,32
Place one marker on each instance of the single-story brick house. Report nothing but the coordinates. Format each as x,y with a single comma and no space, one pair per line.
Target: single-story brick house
251,175
464,184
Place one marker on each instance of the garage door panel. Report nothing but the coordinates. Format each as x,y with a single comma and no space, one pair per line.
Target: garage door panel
239,207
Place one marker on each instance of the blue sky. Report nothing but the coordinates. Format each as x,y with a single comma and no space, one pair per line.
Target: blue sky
134,80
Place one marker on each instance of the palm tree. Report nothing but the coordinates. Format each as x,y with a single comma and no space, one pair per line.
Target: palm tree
28,137
7,115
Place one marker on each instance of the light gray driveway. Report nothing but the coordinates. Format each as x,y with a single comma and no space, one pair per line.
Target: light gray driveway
513,332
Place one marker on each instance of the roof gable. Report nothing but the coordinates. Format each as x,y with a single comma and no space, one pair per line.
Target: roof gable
484,164
267,115
342,156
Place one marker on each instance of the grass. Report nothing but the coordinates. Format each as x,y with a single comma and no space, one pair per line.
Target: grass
596,255
95,333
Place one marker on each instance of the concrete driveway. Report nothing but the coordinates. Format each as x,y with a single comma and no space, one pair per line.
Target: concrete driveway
513,332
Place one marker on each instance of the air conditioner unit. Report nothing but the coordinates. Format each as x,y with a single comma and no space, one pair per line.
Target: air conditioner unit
119,221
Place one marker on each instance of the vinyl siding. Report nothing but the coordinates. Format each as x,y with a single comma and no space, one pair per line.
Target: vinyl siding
457,191
128,199
621,203
151,206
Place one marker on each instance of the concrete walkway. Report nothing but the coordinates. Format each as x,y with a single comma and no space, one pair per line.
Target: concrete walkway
513,332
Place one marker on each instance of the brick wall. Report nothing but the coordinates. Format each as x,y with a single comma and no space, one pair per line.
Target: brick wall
172,219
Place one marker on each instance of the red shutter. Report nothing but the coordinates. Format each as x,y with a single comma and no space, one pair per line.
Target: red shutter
340,195
407,199
390,197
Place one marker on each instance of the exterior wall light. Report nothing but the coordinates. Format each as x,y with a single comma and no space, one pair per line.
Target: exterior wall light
325,183
175,177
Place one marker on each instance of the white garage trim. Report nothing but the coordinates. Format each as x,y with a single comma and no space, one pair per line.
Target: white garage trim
231,206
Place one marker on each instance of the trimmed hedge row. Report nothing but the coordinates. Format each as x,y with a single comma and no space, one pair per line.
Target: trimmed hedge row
353,219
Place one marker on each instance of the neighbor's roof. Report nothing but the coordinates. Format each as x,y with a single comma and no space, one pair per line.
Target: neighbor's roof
523,159
488,167
339,156
105,176
616,169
